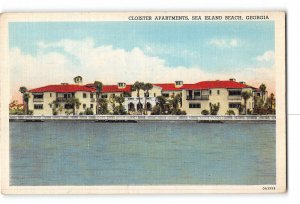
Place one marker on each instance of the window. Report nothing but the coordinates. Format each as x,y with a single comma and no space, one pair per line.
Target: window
68,106
154,94
165,94
50,95
50,105
234,92
84,95
92,106
197,93
38,106
38,96
194,105
67,95
92,95
104,96
84,106
234,105
218,92
209,92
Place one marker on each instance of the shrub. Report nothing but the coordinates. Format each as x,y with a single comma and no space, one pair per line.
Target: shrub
230,112
155,110
214,109
205,112
88,111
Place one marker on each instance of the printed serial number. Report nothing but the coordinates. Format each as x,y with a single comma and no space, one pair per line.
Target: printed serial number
269,188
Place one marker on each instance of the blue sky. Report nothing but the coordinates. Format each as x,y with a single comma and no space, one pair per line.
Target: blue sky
156,51
179,43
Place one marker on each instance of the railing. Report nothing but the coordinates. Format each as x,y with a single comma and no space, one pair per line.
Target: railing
61,99
203,97
140,98
93,100
38,99
147,117
234,97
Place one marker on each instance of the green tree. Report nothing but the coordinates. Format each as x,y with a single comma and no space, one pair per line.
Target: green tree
137,86
112,101
174,104
146,88
214,109
119,109
246,95
103,106
25,97
88,111
74,102
99,87
56,107
161,100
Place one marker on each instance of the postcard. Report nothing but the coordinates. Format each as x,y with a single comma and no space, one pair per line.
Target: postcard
143,102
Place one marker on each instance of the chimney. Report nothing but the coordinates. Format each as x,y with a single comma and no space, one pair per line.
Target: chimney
78,80
178,84
121,85
242,82
232,79
64,84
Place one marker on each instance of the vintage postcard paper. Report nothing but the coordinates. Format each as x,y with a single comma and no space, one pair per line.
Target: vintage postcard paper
143,102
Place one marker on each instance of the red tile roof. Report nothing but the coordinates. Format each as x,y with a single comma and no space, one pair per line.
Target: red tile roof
112,88
221,84
62,88
115,88
168,87
165,87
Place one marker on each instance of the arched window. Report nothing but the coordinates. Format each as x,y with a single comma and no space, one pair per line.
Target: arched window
149,106
131,107
139,106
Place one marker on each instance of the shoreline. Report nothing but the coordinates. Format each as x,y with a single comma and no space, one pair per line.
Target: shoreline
144,118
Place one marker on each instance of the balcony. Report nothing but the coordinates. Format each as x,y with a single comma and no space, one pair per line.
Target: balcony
93,100
132,99
61,99
201,98
234,97
38,100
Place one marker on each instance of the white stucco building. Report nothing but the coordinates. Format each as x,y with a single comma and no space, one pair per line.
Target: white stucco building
227,94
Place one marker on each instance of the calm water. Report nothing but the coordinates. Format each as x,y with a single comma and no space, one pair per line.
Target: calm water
89,153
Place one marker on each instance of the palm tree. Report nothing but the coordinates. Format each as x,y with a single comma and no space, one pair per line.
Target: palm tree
103,106
272,100
174,102
74,102
161,101
246,95
146,87
26,97
263,89
98,86
137,86
119,110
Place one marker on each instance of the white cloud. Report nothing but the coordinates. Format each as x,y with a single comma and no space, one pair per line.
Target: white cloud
224,43
111,65
268,56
